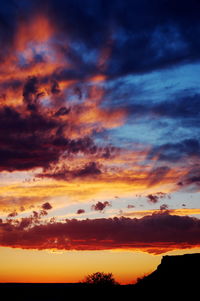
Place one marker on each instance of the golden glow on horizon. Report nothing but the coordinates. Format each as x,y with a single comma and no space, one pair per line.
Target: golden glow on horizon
72,266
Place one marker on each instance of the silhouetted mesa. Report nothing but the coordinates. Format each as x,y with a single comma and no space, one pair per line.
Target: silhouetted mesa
177,273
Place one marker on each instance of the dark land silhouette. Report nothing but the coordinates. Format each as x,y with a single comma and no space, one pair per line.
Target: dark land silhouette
176,276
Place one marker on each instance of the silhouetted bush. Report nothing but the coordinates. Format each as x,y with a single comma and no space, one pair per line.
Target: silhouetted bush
101,279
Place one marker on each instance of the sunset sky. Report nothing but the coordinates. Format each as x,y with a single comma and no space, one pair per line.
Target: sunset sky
99,137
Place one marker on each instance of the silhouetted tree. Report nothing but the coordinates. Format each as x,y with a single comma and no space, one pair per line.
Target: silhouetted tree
101,279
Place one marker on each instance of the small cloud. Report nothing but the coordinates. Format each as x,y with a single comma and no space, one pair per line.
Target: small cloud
43,213
35,214
130,206
46,206
62,111
90,169
154,198
100,206
38,215
13,214
55,89
25,223
80,211
164,207
180,183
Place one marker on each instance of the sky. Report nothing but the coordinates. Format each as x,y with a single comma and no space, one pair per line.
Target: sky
99,137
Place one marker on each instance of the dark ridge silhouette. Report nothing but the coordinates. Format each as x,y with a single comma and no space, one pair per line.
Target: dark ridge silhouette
175,276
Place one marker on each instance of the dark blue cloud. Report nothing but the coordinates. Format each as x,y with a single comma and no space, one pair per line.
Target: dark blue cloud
146,35
191,179
176,151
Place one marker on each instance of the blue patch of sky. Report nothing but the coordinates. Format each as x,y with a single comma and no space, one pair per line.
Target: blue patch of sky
149,89
154,87
147,132
180,198
45,101
129,134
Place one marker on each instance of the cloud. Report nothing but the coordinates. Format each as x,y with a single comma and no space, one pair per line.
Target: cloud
58,92
191,178
140,25
16,203
56,74
129,206
155,198
62,111
162,35
46,206
55,89
90,169
157,233
30,93
37,139
163,207
156,175
152,198
80,211
181,107
25,140
25,223
100,206
173,152
13,214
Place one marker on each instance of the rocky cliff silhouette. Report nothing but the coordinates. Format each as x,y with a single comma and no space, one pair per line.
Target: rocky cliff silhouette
179,273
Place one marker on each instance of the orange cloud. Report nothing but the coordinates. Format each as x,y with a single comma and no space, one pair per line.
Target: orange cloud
179,212
37,29
19,203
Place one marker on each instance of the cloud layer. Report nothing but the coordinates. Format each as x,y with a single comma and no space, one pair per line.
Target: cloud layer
155,233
